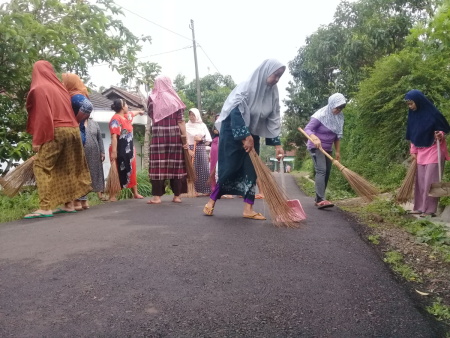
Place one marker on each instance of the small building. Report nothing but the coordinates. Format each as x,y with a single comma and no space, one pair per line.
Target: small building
102,114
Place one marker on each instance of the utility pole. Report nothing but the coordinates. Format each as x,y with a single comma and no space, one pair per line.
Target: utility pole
197,79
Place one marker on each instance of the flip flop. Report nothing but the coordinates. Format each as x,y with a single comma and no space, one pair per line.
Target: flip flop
259,196
324,204
414,212
208,211
62,211
37,215
257,216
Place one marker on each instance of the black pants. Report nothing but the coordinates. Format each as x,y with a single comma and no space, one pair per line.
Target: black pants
178,186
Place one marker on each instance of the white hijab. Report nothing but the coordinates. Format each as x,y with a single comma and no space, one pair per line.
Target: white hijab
197,128
334,122
258,102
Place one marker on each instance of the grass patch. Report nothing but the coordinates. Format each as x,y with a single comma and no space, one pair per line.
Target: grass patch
395,260
439,310
374,239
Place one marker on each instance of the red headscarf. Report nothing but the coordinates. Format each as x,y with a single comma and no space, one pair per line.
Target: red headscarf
165,99
48,104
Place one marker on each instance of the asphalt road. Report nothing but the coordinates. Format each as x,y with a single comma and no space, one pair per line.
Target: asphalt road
132,269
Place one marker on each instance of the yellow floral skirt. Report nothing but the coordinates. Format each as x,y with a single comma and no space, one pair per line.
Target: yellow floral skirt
61,170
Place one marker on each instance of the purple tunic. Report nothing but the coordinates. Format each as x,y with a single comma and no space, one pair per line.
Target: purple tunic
325,135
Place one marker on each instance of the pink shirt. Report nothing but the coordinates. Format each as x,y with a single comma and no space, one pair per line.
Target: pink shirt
428,155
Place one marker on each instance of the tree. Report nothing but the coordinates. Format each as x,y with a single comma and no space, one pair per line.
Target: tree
338,56
215,89
69,34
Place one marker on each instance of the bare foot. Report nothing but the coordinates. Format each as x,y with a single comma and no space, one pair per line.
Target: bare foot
85,204
113,199
176,199
137,196
155,200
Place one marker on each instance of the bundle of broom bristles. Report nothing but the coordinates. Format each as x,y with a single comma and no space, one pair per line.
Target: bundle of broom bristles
21,176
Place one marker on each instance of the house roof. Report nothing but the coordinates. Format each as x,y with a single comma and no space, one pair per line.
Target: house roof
99,101
135,101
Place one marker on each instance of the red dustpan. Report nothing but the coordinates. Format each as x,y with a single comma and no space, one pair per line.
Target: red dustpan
295,205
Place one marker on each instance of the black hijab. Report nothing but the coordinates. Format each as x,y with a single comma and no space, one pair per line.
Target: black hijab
424,121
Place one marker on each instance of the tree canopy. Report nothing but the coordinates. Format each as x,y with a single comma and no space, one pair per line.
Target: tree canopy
71,35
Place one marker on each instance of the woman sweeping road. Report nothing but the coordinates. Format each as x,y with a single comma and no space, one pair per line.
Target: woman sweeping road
60,166
425,124
325,129
251,111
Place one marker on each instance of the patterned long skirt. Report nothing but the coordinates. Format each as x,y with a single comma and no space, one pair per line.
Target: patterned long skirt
201,165
61,170
166,151
237,176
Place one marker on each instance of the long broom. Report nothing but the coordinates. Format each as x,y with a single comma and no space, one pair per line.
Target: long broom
405,193
280,211
113,182
22,175
360,185
191,176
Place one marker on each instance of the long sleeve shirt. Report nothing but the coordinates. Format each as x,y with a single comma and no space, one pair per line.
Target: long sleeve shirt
325,135
428,155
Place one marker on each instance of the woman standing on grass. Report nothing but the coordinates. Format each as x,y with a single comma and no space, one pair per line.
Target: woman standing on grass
166,162
251,111
325,129
122,152
60,166
425,125
198,138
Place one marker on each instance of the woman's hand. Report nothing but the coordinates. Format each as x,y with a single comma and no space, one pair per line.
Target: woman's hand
248,143
36,148
337,156
279,152
414,156
215,131
198,138
113,156
191,152
315,140
439,135
185,146
102,157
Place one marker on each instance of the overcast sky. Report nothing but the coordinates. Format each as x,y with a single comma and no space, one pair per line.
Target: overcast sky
235,35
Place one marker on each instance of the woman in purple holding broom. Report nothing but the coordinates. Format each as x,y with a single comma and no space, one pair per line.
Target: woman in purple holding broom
325,130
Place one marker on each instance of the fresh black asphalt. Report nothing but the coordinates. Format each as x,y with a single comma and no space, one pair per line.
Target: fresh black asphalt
129,269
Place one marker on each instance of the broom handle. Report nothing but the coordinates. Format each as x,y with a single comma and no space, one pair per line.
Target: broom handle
438,144
321,149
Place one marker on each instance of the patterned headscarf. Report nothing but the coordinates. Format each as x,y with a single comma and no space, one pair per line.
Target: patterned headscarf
165,99
74,84
334,122
257,101
424,121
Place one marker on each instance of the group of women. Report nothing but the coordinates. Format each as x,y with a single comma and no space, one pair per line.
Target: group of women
58,121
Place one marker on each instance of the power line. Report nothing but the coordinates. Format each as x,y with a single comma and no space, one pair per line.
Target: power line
167,29
209,59
148,56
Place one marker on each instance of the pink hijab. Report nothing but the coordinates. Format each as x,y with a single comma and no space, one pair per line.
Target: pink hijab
165,100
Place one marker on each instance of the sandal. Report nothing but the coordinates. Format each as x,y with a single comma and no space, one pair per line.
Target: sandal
257,216
426,214
324,204
208,211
